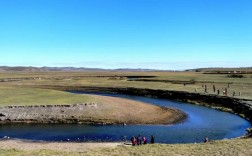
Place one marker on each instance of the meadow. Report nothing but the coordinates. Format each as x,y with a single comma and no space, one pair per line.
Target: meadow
35,88
177,81
235,147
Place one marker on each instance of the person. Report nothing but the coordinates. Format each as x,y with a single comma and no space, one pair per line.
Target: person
139,140
206,140
144,140
218,92
152,139
133,141
233,93
214,88
205,88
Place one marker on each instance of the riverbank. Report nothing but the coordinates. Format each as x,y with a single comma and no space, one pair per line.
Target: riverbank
224,103
218,148
101,110
236,106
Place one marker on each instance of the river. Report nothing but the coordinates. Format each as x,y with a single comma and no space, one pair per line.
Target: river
201,122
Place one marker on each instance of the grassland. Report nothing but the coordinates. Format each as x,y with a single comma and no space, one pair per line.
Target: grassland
23,88
172,81
34,96
241,147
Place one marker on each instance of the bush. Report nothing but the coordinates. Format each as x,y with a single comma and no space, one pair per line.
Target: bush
235,76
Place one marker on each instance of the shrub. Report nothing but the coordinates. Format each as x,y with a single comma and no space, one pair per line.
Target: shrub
235,76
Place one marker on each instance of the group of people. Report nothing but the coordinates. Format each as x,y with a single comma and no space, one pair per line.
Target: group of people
225,92
139,140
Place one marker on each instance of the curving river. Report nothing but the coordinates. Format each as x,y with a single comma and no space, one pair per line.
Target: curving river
201,122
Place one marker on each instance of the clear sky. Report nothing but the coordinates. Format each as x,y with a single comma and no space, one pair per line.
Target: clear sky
159,34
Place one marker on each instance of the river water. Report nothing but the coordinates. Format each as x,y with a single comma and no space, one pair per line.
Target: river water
201,122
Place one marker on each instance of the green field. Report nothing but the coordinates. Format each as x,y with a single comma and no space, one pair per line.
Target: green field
34,96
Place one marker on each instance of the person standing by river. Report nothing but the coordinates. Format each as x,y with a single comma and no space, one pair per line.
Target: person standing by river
205,88
144,140
152,139
133,141
206,140
139,140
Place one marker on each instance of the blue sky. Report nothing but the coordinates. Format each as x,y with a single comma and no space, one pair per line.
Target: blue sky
160,34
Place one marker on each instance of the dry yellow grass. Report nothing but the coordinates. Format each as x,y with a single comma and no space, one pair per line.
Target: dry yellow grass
236,147
102,79
132,112
217,148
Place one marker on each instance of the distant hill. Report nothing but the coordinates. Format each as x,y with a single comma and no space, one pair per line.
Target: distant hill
37,69
77,69
47,69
